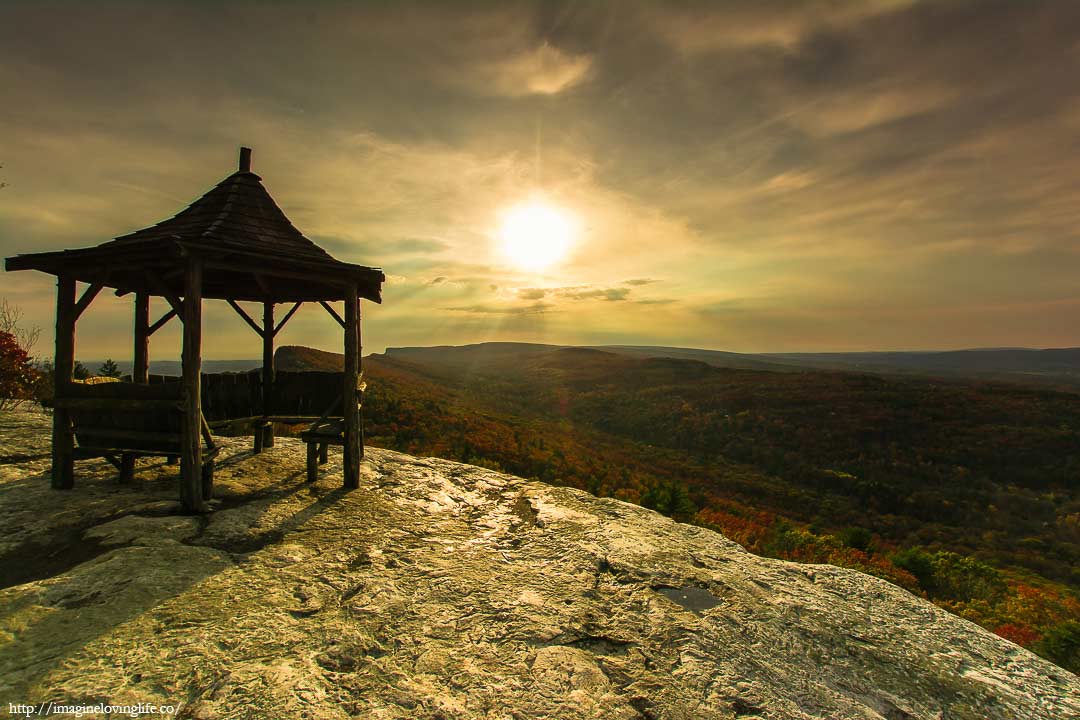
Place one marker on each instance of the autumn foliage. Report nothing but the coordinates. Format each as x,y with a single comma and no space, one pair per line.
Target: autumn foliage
17,374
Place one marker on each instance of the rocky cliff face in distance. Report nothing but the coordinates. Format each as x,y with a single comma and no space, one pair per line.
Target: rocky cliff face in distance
441,590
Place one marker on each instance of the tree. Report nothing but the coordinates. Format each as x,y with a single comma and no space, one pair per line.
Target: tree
858,538
18,377
1062,645
109,369
10,318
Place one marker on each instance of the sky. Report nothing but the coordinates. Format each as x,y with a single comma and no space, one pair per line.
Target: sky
750,176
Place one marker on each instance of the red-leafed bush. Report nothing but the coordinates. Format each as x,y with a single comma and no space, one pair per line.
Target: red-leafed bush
17,376
1022,635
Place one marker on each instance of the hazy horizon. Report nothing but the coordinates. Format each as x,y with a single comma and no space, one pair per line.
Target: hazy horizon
92,362
752,177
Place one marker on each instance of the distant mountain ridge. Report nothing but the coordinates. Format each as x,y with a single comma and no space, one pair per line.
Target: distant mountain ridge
1053,366
1058,367
172,367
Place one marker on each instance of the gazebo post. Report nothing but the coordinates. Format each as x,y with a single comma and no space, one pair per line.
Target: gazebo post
268,371
191,361
349,409
63,441
360,374
140,368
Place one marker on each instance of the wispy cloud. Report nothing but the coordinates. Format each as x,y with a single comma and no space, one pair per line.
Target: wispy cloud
544,70
534,309
577,292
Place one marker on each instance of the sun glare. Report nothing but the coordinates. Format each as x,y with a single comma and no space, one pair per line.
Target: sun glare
535,235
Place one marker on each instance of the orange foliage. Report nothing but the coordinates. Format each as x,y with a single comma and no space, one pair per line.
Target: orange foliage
1019,634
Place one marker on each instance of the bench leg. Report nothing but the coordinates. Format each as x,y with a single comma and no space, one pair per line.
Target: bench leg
127,468
258,448
312,465
268,435
207,480
324,453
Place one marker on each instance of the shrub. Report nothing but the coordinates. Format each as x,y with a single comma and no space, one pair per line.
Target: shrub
1061,644
17,375
917,562
857,537
949,576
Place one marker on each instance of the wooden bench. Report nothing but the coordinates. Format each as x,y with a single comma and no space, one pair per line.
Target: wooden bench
122,421
326,431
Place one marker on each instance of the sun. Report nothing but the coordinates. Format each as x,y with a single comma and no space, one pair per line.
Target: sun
535,234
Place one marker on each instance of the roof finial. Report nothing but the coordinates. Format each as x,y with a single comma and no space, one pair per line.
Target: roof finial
245,159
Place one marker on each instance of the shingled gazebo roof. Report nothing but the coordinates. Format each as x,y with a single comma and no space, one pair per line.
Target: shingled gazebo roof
250,251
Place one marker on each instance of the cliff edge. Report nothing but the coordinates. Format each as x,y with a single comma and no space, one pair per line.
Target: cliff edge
442,590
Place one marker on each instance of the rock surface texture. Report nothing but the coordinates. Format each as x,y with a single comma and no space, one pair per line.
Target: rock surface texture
441,590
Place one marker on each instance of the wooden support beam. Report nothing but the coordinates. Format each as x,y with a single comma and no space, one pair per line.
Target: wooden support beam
87,298
288,315
207,436
333,312
163,290
350,410
140,367
360,385
312,462
247,318
268,369
191,361
161,322
63,440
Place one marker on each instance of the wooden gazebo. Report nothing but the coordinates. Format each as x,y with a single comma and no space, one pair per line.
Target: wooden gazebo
234,244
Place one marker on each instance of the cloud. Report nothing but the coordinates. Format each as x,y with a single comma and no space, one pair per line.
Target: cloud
608,294
534,309
543,70
577,292
405,246
639,281
532,293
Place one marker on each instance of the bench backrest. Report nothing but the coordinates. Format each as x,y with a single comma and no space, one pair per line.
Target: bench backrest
307,394
238,395
125,415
